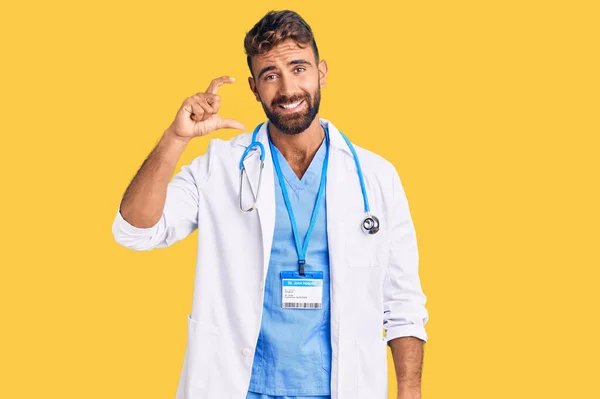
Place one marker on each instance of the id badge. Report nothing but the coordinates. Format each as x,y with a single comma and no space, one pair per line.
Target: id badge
302,292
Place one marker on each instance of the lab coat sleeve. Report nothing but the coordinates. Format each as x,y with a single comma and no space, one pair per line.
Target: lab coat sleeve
404,301
178,220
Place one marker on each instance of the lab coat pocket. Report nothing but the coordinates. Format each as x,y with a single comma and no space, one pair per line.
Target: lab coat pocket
201,350
363,250
347,370
372,368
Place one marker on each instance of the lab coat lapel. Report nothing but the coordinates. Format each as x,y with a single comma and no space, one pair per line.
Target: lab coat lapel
336,197
336,201
265,206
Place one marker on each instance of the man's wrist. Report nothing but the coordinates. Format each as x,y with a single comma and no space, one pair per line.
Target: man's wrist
171,137
405,392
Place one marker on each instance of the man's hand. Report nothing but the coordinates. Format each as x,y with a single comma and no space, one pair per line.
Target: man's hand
198,116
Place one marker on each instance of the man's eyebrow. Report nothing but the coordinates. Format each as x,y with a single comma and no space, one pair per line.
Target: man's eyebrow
270,68
265,70
295,62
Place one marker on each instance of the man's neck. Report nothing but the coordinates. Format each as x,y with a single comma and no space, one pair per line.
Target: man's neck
299,149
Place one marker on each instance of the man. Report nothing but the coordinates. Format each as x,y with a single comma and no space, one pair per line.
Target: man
290,296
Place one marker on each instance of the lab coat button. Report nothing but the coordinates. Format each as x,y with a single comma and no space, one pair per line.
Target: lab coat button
246,352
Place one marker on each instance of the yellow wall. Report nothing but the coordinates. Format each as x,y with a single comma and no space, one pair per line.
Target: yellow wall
489,110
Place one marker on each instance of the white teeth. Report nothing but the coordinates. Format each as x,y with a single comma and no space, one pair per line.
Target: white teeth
290,106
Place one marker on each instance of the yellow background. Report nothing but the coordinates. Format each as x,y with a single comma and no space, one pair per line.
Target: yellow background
489,110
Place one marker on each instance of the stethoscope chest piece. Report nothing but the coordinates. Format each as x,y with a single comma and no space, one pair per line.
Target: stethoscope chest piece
371,224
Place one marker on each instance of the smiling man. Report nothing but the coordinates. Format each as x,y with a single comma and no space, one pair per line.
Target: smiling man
297,309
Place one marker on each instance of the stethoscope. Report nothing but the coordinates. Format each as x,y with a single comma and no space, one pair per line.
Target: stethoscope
370,223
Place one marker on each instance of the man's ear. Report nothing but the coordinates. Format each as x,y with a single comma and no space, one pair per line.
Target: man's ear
322,73
252,84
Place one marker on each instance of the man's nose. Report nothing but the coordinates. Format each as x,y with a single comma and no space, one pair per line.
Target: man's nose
287,86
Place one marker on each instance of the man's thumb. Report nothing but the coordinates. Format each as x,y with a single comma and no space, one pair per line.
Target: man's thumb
230,124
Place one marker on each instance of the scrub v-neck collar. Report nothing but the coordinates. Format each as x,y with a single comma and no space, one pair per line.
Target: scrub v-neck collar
312,174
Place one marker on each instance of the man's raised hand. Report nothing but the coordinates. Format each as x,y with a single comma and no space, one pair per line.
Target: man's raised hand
198,115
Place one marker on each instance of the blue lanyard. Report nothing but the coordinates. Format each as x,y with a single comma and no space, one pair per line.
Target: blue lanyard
301,250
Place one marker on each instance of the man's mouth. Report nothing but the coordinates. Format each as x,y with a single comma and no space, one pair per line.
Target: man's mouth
291,106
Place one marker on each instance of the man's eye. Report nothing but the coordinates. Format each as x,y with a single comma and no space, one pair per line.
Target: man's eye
268,77
303,69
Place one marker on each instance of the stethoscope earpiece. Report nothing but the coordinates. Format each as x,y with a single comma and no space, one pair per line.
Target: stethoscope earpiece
371,224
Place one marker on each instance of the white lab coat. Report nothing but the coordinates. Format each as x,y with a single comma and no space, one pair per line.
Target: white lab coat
374,278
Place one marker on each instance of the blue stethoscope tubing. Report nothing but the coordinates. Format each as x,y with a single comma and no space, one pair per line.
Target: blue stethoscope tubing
370,223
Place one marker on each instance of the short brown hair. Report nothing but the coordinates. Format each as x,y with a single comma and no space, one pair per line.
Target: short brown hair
275,27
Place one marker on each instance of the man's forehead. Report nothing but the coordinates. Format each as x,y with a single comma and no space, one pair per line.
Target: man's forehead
283,51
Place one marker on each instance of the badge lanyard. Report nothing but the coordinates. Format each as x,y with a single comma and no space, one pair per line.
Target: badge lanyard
301,250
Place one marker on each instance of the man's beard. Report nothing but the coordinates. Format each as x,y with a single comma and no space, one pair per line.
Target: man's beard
296,122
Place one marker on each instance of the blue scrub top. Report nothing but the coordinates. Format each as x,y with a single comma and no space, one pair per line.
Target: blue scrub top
293,352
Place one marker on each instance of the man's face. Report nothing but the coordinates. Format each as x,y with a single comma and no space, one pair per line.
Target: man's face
287,82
